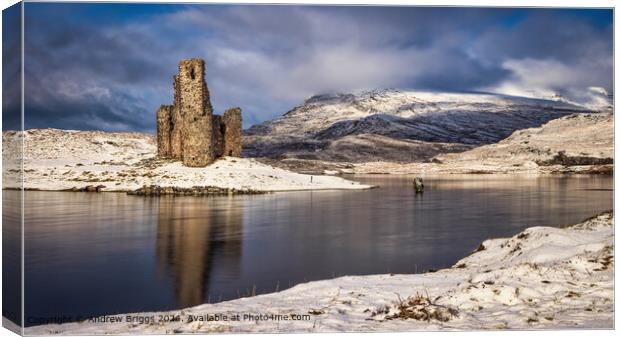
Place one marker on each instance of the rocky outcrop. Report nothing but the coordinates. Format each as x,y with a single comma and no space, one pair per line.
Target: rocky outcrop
188,130
561,158
154,190
88,188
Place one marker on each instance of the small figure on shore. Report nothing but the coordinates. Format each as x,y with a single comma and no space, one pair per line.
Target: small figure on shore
418,185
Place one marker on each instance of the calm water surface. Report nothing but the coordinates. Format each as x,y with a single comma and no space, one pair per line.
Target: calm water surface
94,254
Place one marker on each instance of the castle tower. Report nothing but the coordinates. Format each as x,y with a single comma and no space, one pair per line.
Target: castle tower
176,138
188,130
196,113
231,121
164,129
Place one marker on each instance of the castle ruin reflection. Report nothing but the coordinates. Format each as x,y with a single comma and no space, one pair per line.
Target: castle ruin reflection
194,236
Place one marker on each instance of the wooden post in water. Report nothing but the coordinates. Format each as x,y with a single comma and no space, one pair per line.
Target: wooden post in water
418,185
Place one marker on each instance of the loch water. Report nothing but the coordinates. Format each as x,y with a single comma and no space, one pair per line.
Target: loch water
91,254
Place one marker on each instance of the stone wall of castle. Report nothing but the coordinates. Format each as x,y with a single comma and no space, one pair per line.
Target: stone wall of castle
164,130
187,130
176,141
232,132
218,136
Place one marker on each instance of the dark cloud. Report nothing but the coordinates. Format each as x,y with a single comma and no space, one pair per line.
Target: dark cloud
84,72
85,77
546,34
87,109
11,68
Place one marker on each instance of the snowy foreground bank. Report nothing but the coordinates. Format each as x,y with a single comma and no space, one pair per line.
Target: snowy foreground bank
541,278
62,159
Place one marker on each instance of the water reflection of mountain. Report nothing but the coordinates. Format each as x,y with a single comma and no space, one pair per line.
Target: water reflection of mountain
194,235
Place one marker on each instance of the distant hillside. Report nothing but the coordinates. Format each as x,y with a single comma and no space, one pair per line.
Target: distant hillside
579,143
398,126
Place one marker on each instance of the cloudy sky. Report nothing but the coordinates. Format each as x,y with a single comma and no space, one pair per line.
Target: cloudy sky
109,66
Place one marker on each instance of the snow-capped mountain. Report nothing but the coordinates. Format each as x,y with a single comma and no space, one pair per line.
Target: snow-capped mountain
408,126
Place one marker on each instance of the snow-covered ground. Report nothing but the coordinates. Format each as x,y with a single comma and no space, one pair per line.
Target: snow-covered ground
541,278
58,159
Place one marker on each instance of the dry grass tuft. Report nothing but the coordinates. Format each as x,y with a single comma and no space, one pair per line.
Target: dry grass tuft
422,308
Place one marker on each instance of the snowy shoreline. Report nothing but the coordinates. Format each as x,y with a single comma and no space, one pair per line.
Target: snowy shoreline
541,278
56,160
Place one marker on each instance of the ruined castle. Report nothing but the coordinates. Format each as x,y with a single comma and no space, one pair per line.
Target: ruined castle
188,130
